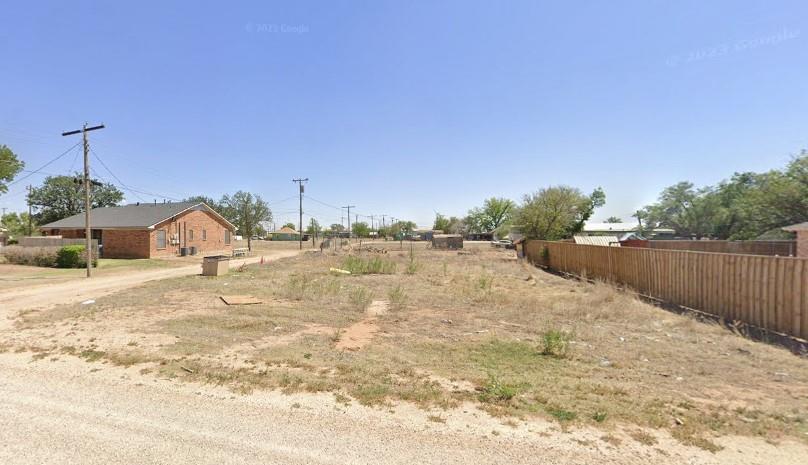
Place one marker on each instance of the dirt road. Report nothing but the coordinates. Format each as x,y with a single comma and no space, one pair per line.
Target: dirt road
78,290
70,411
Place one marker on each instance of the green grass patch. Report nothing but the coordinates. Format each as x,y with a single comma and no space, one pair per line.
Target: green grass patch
373,265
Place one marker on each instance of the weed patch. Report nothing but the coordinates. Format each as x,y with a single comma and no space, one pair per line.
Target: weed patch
374,265
556,343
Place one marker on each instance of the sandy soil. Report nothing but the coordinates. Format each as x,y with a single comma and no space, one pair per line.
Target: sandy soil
78,290
98,414
362,332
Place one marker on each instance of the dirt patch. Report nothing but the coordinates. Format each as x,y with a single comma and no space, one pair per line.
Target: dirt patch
360,334
276,340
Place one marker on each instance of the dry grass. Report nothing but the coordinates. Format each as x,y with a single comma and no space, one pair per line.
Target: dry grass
475,327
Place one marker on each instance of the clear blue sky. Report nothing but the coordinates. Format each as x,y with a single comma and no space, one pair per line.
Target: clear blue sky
406,108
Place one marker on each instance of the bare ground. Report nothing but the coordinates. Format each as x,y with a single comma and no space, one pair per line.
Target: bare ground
452,344
81,289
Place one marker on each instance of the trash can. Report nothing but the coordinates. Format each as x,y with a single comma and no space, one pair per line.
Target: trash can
192,250
215,265
183,251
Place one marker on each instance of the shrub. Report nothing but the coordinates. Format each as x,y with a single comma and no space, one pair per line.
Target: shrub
72,256
495,391
397,297
373,265
296,287
32,256
556,343
360,296
412,266
561,415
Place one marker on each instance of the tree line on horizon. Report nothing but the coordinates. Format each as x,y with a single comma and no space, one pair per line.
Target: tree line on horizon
746,206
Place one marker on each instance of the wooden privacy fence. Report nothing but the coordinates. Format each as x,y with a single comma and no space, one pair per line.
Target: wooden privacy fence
50,241
782,248
768,292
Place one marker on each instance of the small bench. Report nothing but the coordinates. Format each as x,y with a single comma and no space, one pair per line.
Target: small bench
240,252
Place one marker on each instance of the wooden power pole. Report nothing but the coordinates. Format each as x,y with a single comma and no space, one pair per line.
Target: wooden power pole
300,182
88,236
349,219
30,221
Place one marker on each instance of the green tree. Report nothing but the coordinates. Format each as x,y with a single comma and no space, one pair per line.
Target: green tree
63,196
246,211
745,206
290,226
557,212
9,167
614,219
494,213
360,229
441,223
689,211
313,229
17,224
212,203
456,226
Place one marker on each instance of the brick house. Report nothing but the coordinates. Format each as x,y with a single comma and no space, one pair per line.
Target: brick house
801,229
151,230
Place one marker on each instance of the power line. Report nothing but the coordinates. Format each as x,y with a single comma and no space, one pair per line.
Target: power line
133,190
323,203
116,177
44,166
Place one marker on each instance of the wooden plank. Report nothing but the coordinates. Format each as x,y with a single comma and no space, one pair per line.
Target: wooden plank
780,292
797,293
804,297
788,292
771,284
755,284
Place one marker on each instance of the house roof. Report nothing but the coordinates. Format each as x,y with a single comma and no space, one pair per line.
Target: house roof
796,227
597,240
285,230
133,216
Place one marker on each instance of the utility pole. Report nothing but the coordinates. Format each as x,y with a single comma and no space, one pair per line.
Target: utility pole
87,231
30,223
300,182
349,219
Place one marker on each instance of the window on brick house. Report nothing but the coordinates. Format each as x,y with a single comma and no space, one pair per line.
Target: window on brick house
226,237
161,238
204,235
191,235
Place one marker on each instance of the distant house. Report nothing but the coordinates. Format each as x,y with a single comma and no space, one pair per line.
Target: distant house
447,241
425,234
801,229
151,230
285,234
483,236
607,241
619,229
